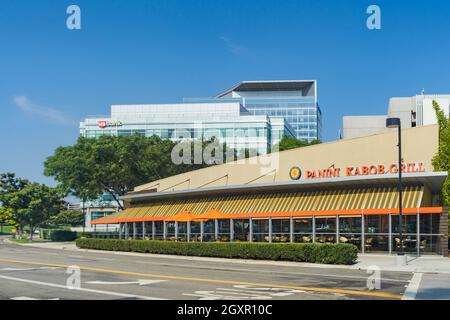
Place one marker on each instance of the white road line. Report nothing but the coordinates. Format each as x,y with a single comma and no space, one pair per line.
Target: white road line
413,287
29,298
274,272
29,269
53,285
141,282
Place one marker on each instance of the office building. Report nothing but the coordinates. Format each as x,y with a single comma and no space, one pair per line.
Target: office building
413,112
230,122
294,100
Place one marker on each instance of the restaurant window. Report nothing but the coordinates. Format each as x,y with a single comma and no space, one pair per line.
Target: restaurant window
281,230
148,230
170,231
241,230
376,224
409,224
129,227
224,230
430,244
303,230
182,231
430,239
195,231
376,228
409,242
209,230
326,230
376,243
350,230
429,223
138,230
261,230
159,230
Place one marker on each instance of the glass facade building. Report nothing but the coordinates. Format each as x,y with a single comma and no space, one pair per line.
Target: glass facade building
229,122
295,101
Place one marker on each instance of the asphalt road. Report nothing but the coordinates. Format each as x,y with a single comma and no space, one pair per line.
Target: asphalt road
28,273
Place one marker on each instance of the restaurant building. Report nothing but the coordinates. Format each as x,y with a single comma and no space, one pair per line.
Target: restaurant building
338,192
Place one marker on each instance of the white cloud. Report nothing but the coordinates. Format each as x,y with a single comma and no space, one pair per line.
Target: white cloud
55,116
233,47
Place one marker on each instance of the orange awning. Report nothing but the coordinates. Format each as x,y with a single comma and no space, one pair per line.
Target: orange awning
185,216
212,215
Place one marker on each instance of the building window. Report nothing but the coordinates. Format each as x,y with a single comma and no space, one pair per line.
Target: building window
281,230
303,230
261,230
350,230
241,230
224,230
95,215
376,229
326,230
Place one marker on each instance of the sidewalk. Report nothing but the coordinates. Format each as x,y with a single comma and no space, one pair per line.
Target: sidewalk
423,264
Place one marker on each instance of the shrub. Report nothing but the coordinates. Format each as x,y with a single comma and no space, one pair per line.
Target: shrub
58,235
86,234
299,252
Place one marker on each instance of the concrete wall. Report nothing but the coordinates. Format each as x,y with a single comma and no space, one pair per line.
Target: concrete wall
402,108
419,145
360,126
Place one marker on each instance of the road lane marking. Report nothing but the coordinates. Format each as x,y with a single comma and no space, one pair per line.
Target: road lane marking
413,287
29,269
140,282
59,286
378,294
29,298
216,295
243,270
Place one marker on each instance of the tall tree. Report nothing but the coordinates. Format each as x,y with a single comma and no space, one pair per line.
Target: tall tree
73,218
288,143
441,161
9,184
113,165
32,206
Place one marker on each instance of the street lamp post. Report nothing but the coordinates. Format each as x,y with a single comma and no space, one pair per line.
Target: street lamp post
396,123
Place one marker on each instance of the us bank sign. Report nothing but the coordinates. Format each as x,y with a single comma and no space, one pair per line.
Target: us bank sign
296,172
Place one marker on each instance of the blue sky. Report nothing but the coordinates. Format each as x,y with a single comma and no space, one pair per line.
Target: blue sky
161,51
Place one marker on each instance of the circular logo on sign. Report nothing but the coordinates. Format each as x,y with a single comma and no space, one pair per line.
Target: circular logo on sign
295,173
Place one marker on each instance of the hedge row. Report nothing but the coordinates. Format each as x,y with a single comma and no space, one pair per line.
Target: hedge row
300,252
60,235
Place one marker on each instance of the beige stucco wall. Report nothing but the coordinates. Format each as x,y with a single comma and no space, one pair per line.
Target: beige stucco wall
419,145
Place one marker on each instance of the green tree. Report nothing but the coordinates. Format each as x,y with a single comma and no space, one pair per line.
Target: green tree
73,218
288,143
114,165
32,206
441,161
9,184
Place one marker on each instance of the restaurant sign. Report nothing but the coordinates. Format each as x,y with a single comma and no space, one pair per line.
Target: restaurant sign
369,170
104,124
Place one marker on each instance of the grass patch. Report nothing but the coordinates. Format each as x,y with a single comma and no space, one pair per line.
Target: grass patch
6,230
26,240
